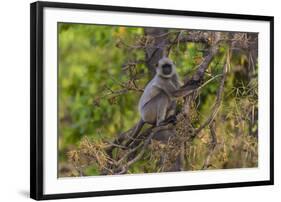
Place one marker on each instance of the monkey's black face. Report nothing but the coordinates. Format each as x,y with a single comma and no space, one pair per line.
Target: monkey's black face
167,69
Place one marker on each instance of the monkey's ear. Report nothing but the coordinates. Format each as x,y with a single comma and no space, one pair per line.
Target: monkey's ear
156,65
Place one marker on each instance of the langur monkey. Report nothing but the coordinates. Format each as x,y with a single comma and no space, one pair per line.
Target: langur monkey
157,105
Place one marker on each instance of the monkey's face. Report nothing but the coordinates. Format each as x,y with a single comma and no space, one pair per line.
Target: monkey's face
167,69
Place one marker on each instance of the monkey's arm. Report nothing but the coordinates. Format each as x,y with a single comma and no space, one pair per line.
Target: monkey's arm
176,80
185,90
169,88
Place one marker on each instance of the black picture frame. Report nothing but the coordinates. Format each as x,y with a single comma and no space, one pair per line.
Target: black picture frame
37,99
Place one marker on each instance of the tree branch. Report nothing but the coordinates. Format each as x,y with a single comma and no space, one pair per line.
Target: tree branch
217,103
212,146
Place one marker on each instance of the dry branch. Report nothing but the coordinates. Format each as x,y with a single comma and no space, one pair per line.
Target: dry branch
217,103
212,146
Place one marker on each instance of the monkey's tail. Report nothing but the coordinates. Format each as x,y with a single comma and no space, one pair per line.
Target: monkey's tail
135,132
138,128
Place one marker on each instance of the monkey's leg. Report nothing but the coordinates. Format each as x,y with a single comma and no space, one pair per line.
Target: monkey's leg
172,109
170,114
162,108
165,108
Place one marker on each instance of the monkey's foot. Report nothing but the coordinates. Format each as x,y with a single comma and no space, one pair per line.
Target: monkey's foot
171,119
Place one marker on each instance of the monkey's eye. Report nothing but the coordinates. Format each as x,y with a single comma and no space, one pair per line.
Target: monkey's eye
167,69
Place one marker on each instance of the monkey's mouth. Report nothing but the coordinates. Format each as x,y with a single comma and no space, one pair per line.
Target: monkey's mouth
167,69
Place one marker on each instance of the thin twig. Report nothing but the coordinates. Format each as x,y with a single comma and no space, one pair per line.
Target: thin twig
216,106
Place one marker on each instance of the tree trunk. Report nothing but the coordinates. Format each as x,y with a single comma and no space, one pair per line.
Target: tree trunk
158,39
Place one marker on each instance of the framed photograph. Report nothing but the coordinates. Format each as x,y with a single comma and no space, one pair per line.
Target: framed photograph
134,100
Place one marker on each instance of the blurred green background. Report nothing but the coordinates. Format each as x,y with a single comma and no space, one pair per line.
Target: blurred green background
90,68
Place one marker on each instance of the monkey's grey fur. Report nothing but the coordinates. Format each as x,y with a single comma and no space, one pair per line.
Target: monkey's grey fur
157,105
